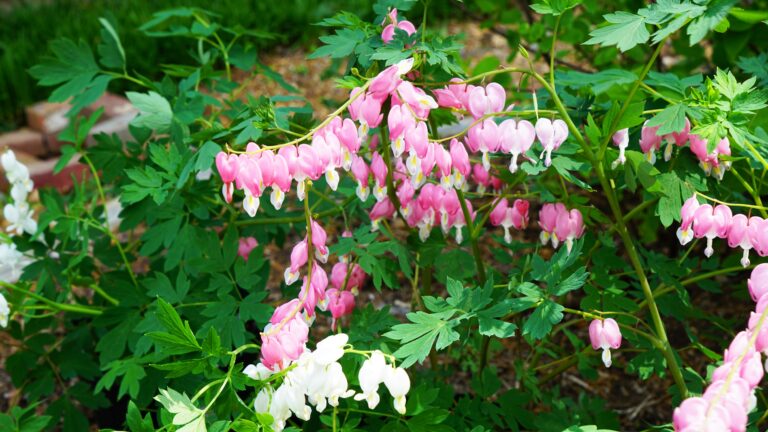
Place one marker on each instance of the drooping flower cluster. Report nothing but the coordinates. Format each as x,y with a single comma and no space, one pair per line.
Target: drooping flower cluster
558,224
515,216
712,162
19,216
5,311
730,396
316,378
605,335
18,213
704,221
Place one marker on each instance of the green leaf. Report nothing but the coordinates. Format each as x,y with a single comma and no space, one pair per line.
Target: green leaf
155,111
67,151
540,323
135,422
425,330
110,48
339,45
179,338
573,282
554,7
73,66
716,11
597,82
670,119
185,412
495,327
626,30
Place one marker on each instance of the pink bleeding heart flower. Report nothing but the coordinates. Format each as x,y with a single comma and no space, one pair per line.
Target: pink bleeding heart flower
444,165
426,165
621,140
340,303
484,137
486,100
284,341
417,139
419,101
366,110
361,173
299,256
516,139
738,236
399,120
460,163
354,281
381,210
281,181
711,223
454,95
711,162
551,135
319,239
569,227
758,235
228,167
548,216
739,347
245,246
389,30
249,177
379,171
387,80
350,140
695,414
605,335
676,138
405,193
649,142
482,177
687,216
758,282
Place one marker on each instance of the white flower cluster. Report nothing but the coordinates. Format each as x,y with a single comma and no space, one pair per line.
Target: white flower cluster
5,311
317,378
19,217
18,213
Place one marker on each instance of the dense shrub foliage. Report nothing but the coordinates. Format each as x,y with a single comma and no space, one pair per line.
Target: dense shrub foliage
459,245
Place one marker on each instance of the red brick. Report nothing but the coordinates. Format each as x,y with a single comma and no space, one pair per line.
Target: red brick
24,140
47,117
114,105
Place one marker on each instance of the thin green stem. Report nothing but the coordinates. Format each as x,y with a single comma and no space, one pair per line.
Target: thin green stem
629,97
64,307
107,230
618,216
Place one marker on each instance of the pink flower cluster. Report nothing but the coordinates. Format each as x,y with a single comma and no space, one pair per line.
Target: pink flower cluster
730,396
705,221
711,162
284,339
558,224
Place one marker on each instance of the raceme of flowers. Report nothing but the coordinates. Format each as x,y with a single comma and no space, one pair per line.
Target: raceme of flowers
426,175
711,162
730,396
19,216
18,213
317,378
704,221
